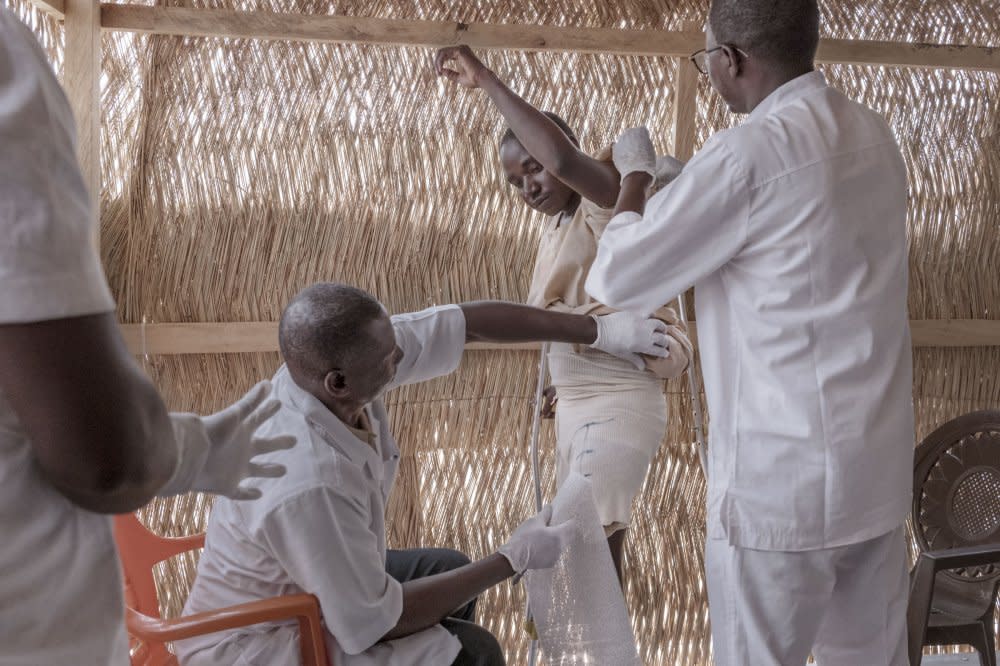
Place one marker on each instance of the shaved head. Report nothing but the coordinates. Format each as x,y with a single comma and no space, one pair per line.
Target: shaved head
325,327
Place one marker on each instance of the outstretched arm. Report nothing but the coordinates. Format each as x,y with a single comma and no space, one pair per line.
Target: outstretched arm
594,180
622,334
503,322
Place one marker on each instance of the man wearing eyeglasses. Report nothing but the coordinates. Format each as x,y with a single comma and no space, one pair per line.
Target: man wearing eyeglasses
792,228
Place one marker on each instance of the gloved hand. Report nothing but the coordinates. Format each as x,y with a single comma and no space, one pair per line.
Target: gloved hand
633,151
679,354
535,544
626,335
214,452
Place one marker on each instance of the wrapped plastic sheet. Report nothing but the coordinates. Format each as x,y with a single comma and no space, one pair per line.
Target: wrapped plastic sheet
578,607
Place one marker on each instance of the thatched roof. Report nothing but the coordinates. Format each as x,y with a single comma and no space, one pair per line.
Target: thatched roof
235,172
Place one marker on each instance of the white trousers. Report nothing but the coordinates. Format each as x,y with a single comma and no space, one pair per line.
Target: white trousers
847,605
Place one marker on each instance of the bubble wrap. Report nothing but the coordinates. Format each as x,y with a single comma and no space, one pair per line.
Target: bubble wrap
577,606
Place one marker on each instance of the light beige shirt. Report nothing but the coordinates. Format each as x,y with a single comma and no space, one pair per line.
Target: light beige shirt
566,251
321,527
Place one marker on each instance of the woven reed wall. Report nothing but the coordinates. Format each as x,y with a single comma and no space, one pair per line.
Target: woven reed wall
237,172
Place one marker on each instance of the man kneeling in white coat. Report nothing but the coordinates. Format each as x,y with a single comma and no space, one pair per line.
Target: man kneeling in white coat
321,528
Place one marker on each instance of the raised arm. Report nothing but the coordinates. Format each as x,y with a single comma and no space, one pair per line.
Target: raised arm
593,179
685,233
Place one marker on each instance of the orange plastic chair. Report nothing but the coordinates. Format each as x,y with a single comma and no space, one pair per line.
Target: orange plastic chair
141,550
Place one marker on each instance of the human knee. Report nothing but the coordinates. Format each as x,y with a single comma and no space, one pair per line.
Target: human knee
479,646
452,559
484,647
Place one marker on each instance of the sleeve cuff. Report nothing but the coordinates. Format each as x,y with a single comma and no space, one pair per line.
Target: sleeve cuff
622,219
34,299
391,610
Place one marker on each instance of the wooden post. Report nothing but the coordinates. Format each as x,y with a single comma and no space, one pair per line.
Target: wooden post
82,81
686,104
685,133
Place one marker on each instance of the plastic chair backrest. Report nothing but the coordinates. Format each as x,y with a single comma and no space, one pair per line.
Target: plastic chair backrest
140,550
956,495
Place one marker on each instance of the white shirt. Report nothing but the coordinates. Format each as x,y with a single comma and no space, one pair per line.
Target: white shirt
792,228
60,585
321,527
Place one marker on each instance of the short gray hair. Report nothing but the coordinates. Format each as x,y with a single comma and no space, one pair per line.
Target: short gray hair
323,327
785,32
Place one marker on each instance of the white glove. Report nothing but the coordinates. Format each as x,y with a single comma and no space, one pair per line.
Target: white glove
678,358
535,544
214,452
626,335
668,168
633,151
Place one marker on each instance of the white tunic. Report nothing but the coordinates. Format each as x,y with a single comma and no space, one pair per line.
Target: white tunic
321,527
60,585
792,228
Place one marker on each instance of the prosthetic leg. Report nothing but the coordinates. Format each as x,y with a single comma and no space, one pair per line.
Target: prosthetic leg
536,473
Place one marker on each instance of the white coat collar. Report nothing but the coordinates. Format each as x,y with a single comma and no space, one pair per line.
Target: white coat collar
789,92
333,431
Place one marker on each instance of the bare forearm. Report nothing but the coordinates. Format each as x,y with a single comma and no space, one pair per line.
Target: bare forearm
427,601
503,322
632,196
537,133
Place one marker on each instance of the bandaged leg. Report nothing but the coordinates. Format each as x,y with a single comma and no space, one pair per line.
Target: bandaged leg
577,606
772,608
593,446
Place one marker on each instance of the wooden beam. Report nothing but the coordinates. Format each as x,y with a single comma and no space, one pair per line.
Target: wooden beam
233,338
315,28
54,8
955,333
82,81
898,54
301,27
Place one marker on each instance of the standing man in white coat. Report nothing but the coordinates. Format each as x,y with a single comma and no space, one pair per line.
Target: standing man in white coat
792,228
83,432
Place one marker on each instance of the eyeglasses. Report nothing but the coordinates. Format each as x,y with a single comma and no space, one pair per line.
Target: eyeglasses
700,58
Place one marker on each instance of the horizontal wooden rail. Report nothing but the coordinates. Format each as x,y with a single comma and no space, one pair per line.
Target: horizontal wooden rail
232,338
319,28
400,32
55,8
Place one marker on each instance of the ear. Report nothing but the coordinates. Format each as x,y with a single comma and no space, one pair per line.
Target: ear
733,62
335,384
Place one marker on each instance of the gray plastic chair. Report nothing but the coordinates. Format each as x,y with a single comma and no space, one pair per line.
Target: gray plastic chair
956,520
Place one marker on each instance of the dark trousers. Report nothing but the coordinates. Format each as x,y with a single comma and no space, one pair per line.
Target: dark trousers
479,646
